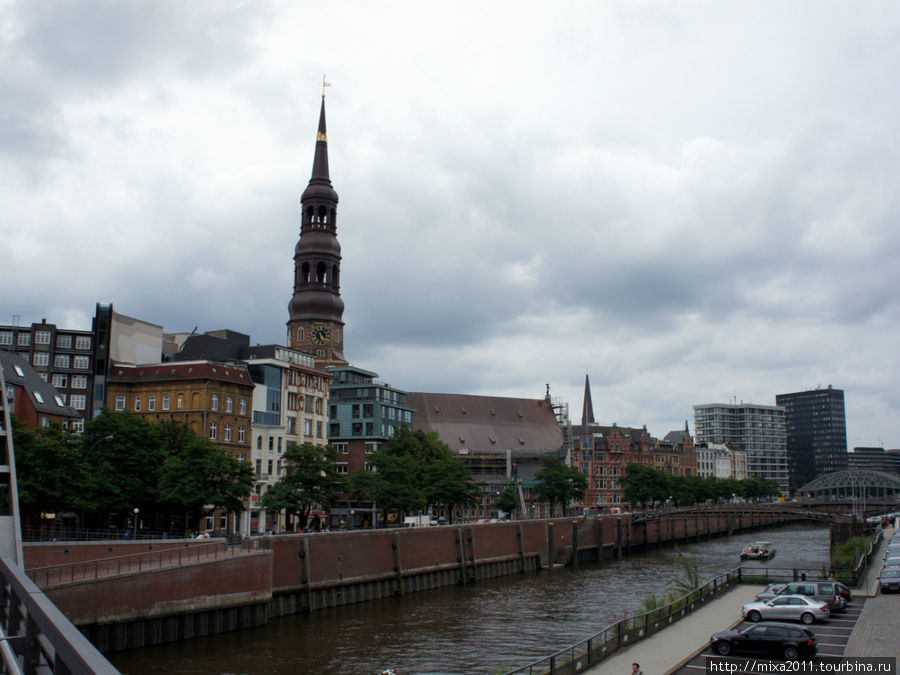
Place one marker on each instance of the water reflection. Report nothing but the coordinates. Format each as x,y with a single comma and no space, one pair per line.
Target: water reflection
477,628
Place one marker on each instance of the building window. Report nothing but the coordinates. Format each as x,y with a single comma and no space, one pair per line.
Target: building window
64,341
227,432
24,339
318,429
81,362
165,402
215,401
41,359
179,401
242,434
357,428
243,406
307,427
334,429
213,430
42,337
151,402
355,410
120,403
6,337
229,404
241,457
78,401
61,360
340,448
259,442
77,425
271,443
291,426
79,382
60,381
371,446
83,342
270,467
342,468
137,403
259,467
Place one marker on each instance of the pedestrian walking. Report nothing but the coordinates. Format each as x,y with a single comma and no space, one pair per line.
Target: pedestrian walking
636,669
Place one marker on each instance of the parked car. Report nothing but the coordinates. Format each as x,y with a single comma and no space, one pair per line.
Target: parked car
824,591
773,639
770,591
794,607
890,580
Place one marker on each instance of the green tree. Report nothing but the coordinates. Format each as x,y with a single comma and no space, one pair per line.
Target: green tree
691,570
643,484
310,480
125,455
558,483
413,470
507,500
201,477
50,474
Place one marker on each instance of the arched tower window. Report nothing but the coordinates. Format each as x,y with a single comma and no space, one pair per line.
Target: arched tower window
321,276
304,273
334,276
309,214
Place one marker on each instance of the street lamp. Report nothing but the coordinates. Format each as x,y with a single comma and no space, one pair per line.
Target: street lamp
136,512
352,513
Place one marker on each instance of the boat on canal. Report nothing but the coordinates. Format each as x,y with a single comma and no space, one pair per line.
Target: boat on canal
758,550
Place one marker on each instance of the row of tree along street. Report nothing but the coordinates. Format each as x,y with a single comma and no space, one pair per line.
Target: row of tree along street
646,486
123,465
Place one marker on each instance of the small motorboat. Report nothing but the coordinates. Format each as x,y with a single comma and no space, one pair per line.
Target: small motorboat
758,550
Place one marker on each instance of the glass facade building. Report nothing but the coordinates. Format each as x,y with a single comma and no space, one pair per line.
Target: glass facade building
758,430
816,432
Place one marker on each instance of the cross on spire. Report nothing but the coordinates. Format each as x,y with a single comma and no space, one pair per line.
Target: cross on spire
324,84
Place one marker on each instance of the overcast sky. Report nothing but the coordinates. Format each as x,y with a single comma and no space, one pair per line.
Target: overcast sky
696,202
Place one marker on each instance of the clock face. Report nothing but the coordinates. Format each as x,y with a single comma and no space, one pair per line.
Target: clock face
320,334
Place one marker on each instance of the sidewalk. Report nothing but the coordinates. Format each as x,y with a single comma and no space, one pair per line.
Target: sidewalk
877,632
667,649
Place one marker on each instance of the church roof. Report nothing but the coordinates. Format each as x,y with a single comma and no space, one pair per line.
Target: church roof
488,424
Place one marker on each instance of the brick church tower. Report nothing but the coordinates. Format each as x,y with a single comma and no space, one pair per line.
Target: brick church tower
316,311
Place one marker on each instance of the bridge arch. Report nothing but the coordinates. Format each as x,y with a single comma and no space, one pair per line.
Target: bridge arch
853,482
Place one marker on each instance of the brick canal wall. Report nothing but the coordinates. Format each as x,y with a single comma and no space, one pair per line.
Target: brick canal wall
286,574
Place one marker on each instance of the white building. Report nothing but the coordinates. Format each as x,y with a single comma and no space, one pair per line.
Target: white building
758,430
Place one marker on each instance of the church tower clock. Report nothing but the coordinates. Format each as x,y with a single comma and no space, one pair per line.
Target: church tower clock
316,311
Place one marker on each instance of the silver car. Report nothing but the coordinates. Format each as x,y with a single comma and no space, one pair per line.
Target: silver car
795,607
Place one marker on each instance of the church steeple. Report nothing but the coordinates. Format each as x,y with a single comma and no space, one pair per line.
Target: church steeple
316,310
587,412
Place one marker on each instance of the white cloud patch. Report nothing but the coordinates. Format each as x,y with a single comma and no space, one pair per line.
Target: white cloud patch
693,202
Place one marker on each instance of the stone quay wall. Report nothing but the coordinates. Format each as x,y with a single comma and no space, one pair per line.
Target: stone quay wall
287,574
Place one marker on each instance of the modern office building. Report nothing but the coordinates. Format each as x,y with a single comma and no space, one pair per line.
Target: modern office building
363,414
758,430
816,432
875,459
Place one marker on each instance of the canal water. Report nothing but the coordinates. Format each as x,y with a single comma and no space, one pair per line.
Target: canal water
475,628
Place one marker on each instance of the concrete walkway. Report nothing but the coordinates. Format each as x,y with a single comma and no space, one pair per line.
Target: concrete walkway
877,632
668,649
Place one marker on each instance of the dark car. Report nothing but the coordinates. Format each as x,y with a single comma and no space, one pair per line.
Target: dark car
781,640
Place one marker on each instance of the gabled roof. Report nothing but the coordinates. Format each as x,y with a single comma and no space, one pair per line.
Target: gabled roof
43,396
488,424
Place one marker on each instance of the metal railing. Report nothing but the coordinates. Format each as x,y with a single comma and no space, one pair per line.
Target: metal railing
52,576
587,653
64,533
38,638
